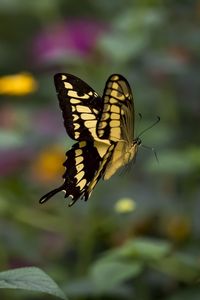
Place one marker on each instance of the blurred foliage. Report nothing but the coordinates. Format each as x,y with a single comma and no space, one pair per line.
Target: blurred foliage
138,236
31,279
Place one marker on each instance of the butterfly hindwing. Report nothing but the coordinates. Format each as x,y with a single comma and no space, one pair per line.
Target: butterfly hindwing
82,164
116,120
80,106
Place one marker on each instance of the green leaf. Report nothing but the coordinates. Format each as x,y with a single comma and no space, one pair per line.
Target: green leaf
86,287
32,279
180,266
144,249
127,47
106,275
186,294
193,154
145,252
139,19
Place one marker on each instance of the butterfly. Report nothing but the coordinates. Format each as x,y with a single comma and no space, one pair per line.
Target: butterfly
103,128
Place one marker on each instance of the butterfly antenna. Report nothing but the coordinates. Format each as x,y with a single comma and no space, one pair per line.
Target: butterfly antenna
140,118
153,150
146,129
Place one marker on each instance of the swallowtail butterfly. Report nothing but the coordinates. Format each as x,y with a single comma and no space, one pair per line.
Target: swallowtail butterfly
103,128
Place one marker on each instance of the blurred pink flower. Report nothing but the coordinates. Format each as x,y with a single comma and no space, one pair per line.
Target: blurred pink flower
74,37
14,160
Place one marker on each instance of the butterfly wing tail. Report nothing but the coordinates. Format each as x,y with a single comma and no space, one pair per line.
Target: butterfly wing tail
47,196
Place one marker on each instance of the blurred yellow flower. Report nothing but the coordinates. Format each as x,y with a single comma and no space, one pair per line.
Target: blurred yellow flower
18,85
125,205
48,165
177,228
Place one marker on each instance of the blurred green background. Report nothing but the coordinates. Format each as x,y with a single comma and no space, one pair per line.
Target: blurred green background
155,44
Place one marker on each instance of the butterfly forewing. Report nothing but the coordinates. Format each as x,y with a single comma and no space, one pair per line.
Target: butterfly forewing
80,106
116,120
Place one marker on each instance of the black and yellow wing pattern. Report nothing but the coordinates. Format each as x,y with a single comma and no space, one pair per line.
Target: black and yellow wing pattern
80,106
103,129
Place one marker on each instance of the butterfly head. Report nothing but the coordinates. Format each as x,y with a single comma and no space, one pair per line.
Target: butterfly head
132,151
137,141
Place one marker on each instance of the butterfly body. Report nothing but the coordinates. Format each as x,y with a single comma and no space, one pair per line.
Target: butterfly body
103,128
122,155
